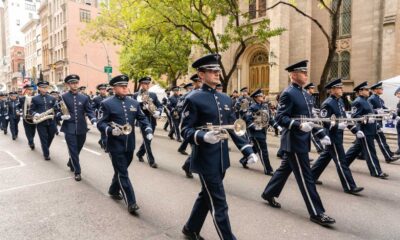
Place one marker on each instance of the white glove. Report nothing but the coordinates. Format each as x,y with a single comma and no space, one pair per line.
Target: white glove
252,158
326,141
7,117
342,125
94,124
306,126
360,134
36,115
371,120
149,136
211,137
157,114
397,118
65,117
380,111
116,132
280,128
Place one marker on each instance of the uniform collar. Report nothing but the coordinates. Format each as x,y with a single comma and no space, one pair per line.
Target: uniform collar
207,88
295,85
120,97
76,93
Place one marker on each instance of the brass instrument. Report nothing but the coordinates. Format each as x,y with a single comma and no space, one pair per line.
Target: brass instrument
244,104
147,102
27,106
317,122
49,114
261,119
126,129
64,108
238,127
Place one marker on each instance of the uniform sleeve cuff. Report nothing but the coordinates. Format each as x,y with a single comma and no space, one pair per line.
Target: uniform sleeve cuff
198,137
295,124
108,131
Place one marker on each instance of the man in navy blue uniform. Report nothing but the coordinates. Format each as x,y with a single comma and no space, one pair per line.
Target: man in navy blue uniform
210,156
310,88
5,118
334,106
47,128
295,142
14,113
189,88
29,126
164,102
365,137
397,94
243,102
175,116
145,148
197,83
123,111
378,105
74,124
102,88
257,132
2,110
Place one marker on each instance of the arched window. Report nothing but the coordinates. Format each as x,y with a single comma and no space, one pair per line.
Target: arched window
344,29
345,65
257,8
259,72
335,66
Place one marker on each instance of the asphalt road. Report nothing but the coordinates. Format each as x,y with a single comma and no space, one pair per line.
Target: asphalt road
40,199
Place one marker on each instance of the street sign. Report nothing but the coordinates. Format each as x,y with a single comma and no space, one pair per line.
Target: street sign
107,69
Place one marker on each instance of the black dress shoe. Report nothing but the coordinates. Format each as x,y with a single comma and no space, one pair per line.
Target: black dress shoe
13,138
244,163
140,158
271,201
32,146
78,177
191,235
179,140
383,176
154,165
116,196
5,132
270,173
171,137
322,219
318,182
183,152
188,173
393,159
71,168
57,133
133,208
354,190
47,158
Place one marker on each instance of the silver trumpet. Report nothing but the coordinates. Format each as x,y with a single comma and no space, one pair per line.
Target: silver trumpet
126,129
317,122
238,127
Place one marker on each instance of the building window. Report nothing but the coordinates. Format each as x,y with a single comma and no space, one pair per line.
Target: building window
18,22
344,29
259,72
257,8
341,66
84,15
30,7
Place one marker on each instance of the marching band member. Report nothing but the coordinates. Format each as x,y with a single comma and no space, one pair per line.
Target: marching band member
365,137
310,89
145,148
164,102
210,157
378,105
397,94
29,126
295,142
117,116
175,117
2,110
5,119
243,102
74,124
46,129
102,88
189,88
14,113
334,106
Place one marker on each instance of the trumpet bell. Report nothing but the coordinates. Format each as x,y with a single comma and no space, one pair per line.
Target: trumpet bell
239,127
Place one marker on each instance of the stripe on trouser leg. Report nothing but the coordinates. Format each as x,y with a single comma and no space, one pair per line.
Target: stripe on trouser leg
382,145
340,167
212,207
370,156
260,154
120,185
304,184
70,157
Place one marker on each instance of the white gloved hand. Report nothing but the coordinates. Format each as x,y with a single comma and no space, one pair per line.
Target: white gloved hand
252,158
116,132
157,114
326,141
94,124
36,115
306,126
280,128
149,136
7,117
371,120
360,134
380,111
211,137
65,117
397,118
342,125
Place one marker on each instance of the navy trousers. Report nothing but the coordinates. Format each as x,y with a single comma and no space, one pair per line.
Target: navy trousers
121,181
398,135
14,126
317,143
260,147
183,145
186,165
46,135
382,143
5,125
175,128
211,199
30,132
75,144
367,147
299,163
145,148
335,152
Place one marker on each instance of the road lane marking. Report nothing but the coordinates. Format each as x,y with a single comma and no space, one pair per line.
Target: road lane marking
88,150
20,163
34,184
